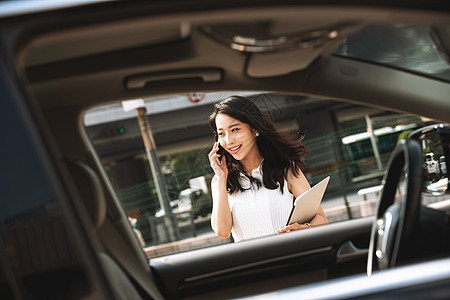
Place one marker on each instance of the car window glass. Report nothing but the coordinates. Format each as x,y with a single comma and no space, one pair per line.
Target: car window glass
352,145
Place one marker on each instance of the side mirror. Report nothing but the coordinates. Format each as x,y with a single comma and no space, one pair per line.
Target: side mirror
435,142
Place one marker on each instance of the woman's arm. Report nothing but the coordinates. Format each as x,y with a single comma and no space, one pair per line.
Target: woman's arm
221,220
297,185
320,218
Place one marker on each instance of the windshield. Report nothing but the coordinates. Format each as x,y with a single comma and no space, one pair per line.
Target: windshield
406,47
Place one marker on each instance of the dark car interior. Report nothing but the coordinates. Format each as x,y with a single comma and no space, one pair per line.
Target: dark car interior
77,243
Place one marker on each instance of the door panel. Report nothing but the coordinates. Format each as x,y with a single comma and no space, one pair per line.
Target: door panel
266,264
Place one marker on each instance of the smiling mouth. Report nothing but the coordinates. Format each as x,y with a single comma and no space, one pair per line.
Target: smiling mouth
235,150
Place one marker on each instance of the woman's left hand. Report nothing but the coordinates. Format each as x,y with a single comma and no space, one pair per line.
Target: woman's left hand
292,227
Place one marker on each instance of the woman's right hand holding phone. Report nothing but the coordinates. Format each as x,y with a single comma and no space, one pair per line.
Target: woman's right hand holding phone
221,219
218,162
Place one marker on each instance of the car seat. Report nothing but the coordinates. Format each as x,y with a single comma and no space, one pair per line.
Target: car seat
91,192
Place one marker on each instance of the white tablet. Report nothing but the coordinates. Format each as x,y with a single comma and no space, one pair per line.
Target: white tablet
306,205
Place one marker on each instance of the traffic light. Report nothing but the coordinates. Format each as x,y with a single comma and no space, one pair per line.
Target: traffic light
114,131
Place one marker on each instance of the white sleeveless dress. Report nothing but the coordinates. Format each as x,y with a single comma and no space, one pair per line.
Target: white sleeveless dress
258,212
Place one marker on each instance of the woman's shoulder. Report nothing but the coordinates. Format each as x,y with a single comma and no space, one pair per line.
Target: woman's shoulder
297,181
291,171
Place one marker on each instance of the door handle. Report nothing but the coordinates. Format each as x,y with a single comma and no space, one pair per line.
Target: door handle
349,251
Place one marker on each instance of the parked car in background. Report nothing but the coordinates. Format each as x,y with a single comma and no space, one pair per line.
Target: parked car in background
432,167
315,67
180,205
184,201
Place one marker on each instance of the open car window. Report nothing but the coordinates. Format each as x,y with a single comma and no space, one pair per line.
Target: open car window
352,145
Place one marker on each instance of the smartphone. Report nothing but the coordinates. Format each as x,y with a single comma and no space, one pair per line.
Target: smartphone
220,152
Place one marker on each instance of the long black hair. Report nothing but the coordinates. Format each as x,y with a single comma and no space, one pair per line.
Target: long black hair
280,151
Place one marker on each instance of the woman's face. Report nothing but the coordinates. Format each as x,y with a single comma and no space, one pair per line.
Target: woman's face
236,137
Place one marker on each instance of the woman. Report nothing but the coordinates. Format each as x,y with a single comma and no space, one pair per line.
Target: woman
257,173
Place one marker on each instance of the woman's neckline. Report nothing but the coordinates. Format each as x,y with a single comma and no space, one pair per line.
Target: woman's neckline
258,168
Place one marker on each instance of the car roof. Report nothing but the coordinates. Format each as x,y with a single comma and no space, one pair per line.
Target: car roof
117,51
